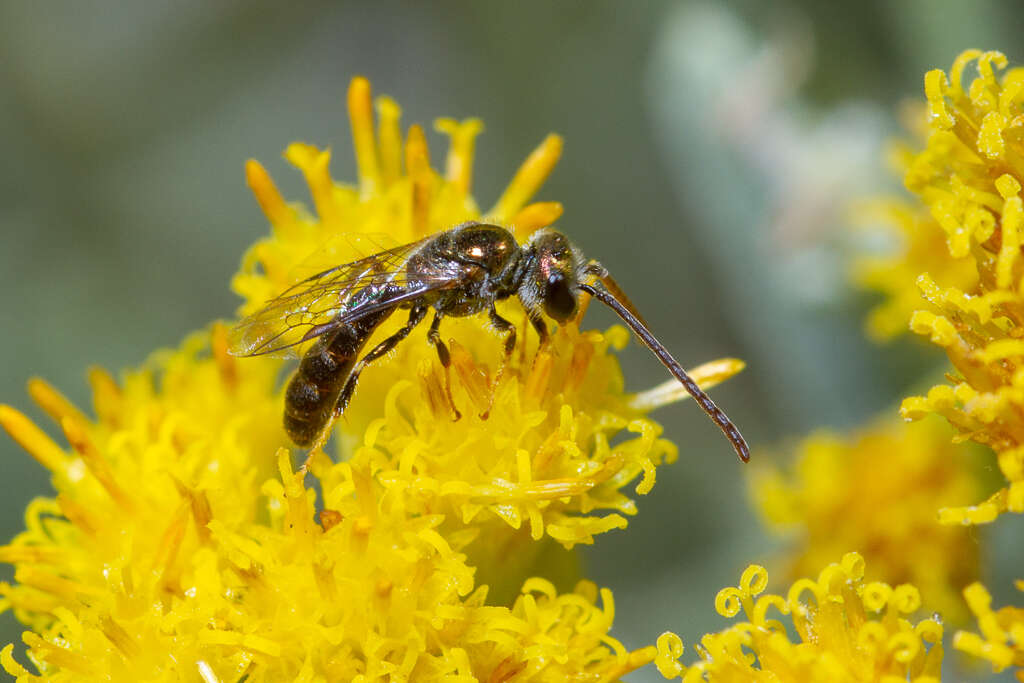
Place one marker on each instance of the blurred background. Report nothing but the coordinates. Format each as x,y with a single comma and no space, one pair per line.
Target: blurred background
712,150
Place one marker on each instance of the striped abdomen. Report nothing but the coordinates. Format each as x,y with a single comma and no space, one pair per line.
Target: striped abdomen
313,391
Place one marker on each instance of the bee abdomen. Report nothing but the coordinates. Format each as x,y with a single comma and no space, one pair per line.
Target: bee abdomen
313,390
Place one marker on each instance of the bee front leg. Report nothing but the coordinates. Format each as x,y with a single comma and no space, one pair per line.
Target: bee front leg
502,325
434,337
542,329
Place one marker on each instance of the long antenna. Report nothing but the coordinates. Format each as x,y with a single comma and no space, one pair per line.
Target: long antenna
739,444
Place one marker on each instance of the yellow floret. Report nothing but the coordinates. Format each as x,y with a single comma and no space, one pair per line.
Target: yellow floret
846,630
182,544
877,491
1000,639
968,180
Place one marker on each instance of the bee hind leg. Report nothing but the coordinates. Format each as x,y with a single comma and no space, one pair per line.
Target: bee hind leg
318,444
416,316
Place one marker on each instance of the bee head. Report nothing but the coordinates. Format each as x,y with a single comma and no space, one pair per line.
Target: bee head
552,275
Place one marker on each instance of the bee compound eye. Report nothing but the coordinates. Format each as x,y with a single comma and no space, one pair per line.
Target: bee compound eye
559,300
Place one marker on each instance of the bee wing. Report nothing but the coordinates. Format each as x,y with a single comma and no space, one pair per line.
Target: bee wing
319,304
344,248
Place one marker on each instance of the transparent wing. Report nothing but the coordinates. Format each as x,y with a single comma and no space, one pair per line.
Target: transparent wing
346,247
321,303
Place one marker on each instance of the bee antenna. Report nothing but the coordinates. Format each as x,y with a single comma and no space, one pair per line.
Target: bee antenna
739,444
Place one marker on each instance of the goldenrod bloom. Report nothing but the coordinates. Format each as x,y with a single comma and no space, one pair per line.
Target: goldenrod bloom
969,177
877,491
542,461
1001,637
182,545
847,631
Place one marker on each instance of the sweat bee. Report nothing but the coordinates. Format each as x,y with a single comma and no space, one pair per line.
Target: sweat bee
458,272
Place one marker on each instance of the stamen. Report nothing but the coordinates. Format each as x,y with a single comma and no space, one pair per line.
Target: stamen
956,73
528,179
79,515
314,165
360,113
41,447
11,665
671,391
94,460
200,504
225,362
472,377
533,217
267,195
53,403
106,395
56,656
417,163
116,634
390,140
170,542
540,376
458,168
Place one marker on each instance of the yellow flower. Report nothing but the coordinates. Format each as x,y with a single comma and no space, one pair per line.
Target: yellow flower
969,178
182,544
922,249
877,491
1001,640
847,631
542,462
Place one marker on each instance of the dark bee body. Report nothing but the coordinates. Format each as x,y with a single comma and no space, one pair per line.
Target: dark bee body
315,388
459,272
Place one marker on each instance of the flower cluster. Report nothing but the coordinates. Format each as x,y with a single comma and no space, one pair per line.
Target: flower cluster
1001,640
182,543
876,492
969,178
847,631
964,257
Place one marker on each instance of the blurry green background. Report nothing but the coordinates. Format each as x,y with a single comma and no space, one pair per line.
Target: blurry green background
711,149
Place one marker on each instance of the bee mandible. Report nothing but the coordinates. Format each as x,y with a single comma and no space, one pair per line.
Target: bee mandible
458,272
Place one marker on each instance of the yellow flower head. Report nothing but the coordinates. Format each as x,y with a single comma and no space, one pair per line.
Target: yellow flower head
1001,637
877,491
181,543
969,178
542,460
847,631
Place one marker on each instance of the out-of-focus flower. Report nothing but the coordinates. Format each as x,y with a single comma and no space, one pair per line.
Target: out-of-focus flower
905,241
969,178
1001,633
181,543
877,491
846,631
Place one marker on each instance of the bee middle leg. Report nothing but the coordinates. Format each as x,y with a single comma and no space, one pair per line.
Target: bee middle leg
501,325
434,337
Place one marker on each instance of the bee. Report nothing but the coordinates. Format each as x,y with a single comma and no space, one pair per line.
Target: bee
459,272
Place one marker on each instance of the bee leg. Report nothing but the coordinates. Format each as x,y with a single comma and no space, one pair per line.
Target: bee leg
542,329
416,316
543,334
318,444
510,345
446,361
